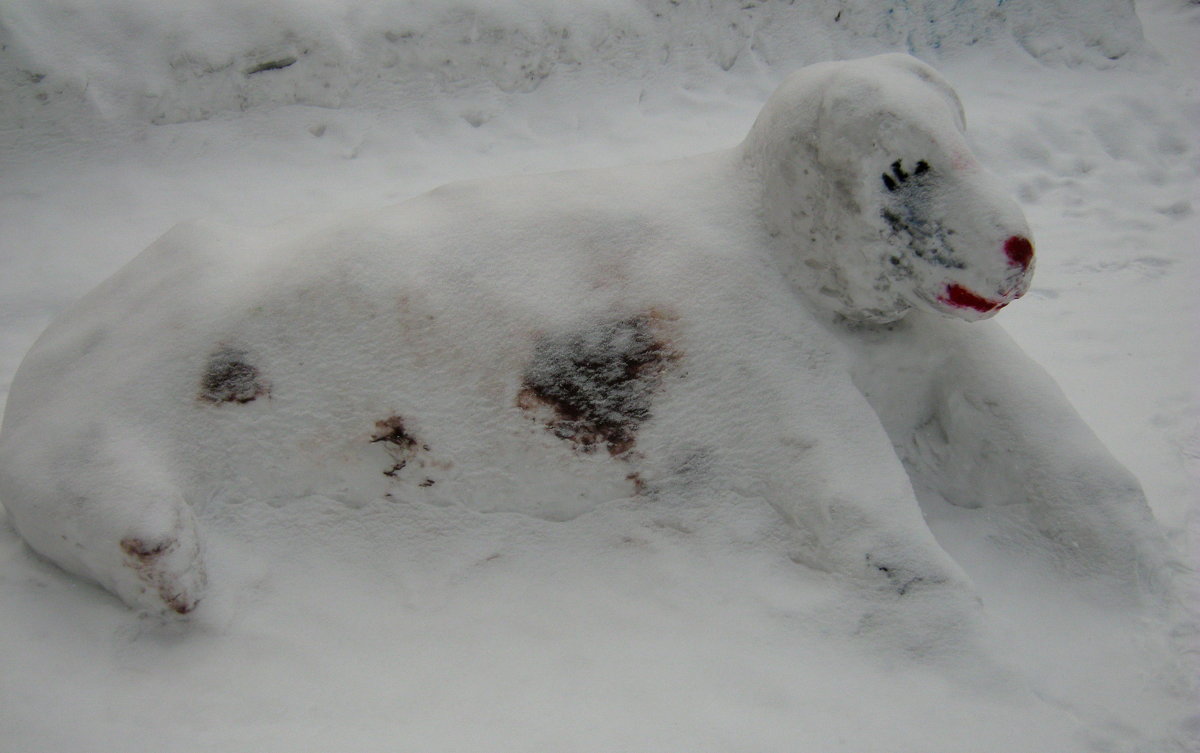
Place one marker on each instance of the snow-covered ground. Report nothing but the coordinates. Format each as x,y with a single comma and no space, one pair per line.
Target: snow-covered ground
630,627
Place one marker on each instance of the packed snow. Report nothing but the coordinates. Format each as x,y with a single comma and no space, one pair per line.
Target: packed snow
593,605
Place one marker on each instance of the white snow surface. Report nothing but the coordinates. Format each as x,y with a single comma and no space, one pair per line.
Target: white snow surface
632,626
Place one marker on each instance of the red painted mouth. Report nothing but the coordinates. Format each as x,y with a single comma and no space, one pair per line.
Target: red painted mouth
957,295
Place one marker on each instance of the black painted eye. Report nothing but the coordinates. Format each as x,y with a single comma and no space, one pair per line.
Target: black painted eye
892,182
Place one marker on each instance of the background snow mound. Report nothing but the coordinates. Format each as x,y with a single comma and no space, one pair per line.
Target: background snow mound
186,60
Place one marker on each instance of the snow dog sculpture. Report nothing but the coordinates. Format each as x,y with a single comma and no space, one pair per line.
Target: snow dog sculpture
794,319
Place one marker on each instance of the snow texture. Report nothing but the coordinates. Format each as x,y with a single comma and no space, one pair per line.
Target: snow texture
184,60
695,455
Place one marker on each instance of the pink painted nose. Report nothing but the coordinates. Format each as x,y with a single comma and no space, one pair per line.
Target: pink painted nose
1019,251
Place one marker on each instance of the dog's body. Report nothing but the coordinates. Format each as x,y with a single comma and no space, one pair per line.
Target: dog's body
781,320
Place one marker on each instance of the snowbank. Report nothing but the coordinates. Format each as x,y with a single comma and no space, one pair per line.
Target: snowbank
186,60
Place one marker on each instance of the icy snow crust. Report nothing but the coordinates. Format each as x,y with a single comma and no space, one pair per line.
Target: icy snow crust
660,609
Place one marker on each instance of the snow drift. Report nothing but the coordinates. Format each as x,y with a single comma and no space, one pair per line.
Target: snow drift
187,60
